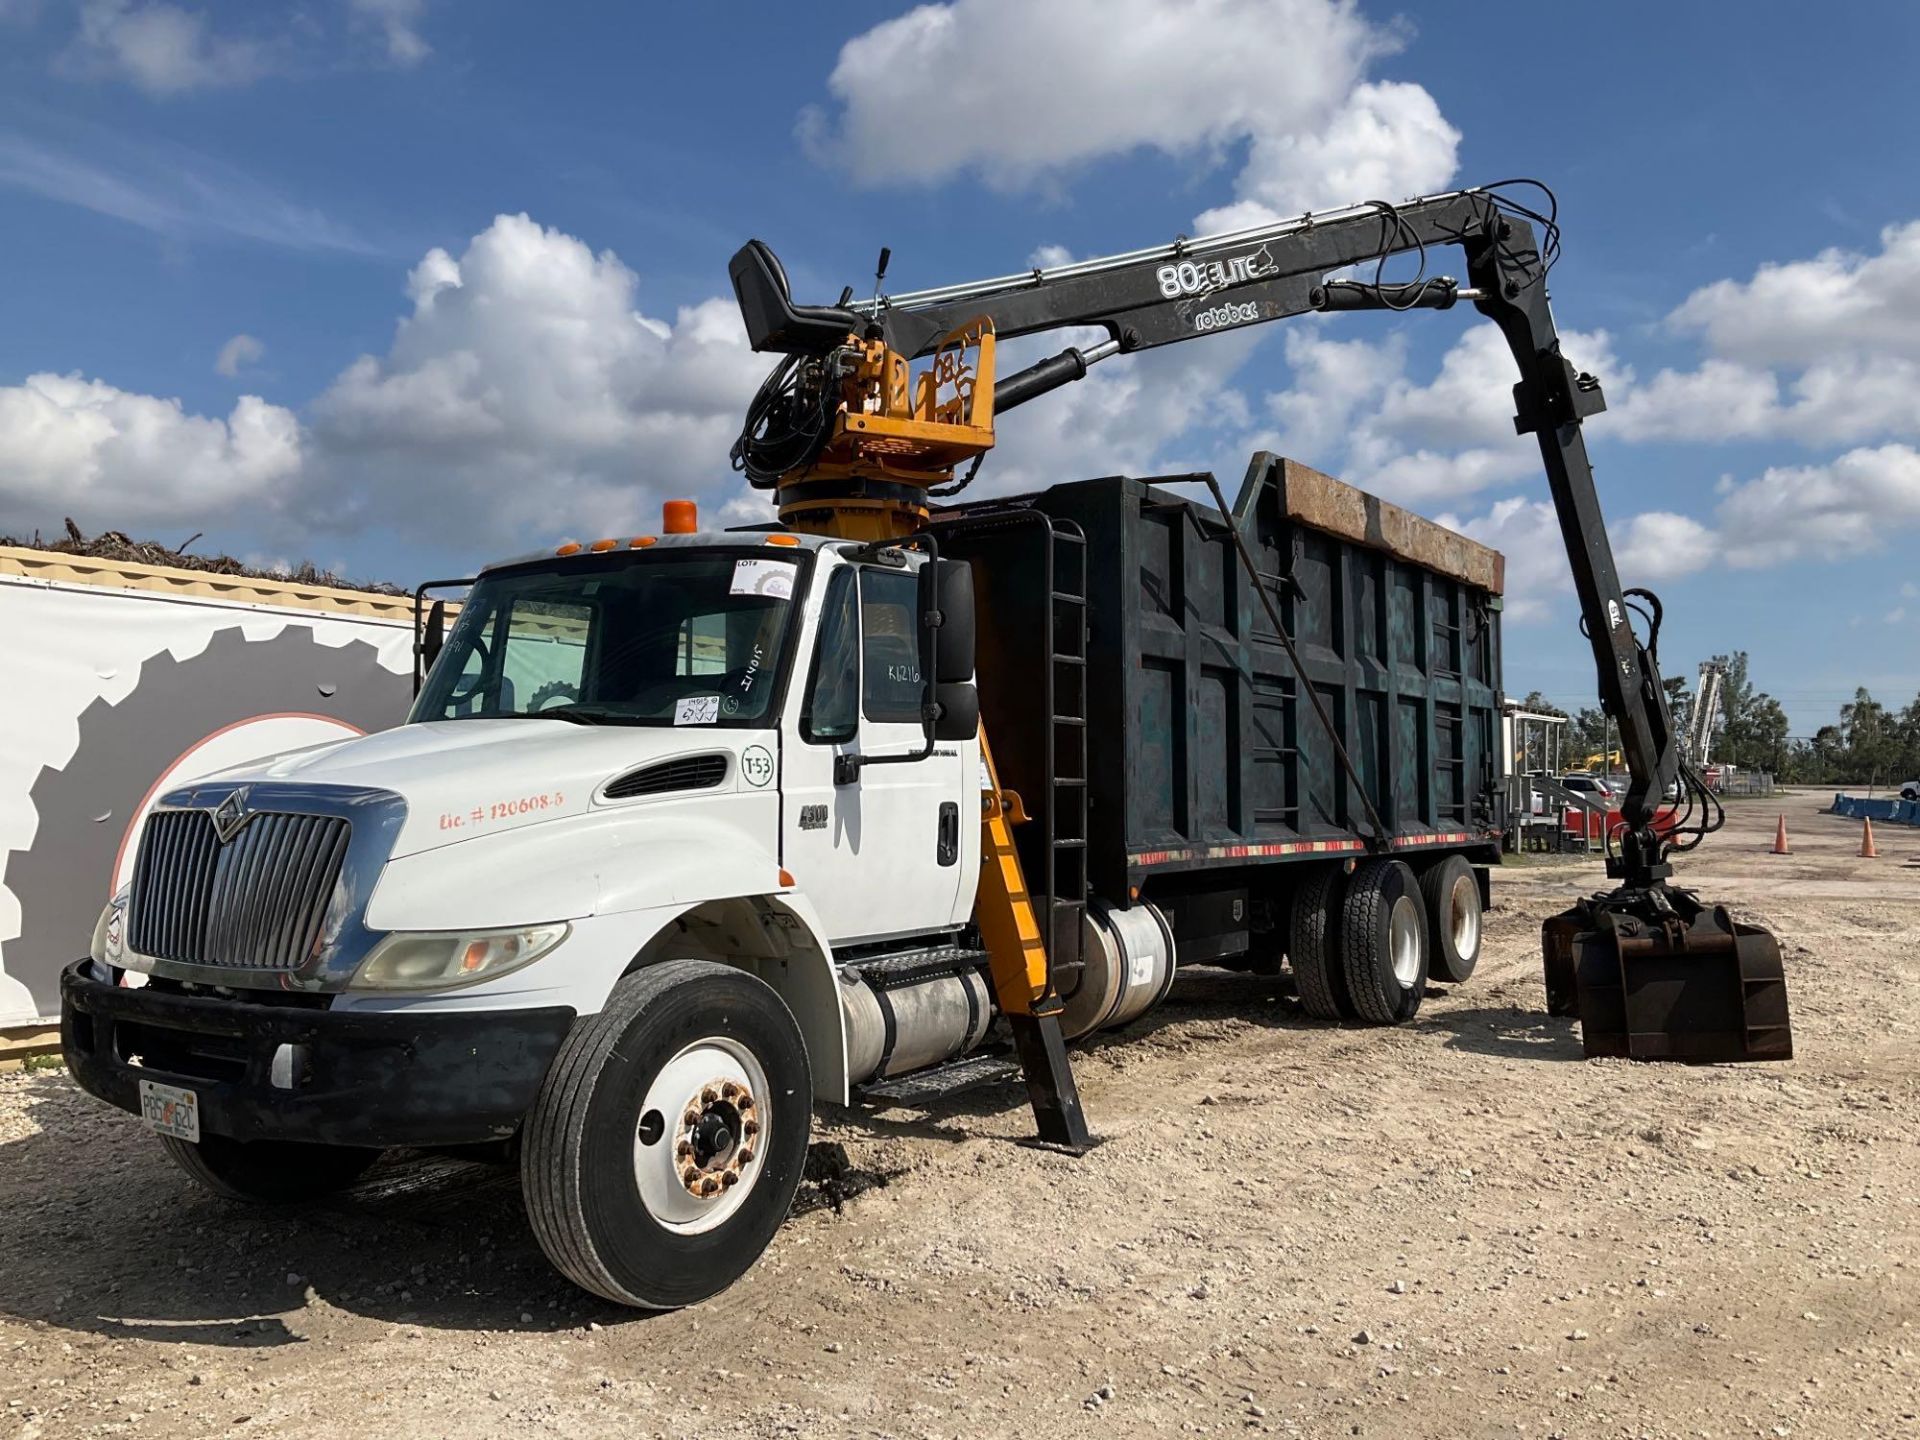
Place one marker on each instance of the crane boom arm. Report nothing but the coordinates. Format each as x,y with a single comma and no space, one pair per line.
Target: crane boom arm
1192,289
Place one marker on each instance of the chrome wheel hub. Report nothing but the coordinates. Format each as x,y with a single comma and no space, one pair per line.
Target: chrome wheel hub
1403,940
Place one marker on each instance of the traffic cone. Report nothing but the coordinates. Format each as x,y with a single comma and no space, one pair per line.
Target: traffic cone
1780,838
1867,852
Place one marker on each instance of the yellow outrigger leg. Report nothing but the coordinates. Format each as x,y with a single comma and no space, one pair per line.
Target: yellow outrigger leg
1022,978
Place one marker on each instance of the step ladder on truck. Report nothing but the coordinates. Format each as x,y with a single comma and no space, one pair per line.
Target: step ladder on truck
688,831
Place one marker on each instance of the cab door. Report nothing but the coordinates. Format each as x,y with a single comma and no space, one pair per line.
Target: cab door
895,850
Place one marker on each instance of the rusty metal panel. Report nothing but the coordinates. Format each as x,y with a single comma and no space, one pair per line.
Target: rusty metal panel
1336,508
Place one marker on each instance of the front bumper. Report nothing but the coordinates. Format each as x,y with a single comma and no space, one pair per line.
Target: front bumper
351,1077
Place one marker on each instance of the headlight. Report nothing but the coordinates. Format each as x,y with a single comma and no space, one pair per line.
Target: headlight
439,961
110,936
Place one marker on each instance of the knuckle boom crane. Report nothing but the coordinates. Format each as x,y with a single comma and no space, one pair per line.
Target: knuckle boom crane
854,442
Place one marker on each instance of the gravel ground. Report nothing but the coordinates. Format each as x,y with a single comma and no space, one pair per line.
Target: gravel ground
1458,1228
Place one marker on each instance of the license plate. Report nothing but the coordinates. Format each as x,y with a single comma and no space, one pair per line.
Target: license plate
170,1110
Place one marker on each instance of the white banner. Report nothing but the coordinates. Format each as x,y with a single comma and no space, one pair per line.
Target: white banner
108,696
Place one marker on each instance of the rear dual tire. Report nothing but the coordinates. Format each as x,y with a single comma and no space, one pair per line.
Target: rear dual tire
1452,894
1383,942
1359,943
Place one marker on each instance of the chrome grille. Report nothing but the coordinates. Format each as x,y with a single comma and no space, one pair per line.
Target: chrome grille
256,903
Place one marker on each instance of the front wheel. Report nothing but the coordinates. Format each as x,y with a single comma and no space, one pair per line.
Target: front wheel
669,1136
269,1172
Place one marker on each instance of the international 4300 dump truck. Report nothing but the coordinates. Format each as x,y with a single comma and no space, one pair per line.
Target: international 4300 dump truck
689,830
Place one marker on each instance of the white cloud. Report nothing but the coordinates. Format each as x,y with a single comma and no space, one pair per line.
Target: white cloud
1838,303
1528,534
1819,351
1830,402
1387,141
1850,504
1353,409
1648,548
526,395
171,191
1157,412
1661,545
1023,94
161,48
398,22
238,353
1909,591
107,457
1855,503
1895,615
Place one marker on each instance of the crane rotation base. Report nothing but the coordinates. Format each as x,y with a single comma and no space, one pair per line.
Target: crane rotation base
1652,974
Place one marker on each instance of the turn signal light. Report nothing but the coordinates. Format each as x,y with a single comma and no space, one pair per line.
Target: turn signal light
679,517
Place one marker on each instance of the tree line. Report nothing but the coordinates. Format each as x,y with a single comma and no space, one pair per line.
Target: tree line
1868,743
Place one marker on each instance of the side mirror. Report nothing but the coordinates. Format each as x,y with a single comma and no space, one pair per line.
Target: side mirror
953,598
959,712
435,638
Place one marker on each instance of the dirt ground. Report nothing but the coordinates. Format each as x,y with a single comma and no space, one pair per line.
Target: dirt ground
1459,1228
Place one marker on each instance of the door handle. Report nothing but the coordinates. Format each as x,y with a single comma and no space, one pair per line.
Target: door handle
947,847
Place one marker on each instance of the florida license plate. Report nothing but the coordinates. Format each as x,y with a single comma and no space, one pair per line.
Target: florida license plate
170,1110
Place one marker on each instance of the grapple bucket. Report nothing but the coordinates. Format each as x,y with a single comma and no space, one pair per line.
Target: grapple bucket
1649,981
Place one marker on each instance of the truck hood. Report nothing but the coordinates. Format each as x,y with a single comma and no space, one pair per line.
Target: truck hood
466,778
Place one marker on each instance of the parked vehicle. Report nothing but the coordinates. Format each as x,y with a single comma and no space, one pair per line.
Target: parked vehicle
665,852
1603,791
688,830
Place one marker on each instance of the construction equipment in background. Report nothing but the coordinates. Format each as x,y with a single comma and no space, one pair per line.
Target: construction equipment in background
1704,715
853,443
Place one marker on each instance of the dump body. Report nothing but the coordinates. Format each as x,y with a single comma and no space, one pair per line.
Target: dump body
1204,756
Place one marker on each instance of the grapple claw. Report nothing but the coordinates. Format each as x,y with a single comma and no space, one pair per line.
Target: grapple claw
1652,974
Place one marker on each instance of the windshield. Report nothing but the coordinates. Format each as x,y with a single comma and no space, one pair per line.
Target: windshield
686,638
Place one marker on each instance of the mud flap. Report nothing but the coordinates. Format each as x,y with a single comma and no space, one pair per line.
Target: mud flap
1652,975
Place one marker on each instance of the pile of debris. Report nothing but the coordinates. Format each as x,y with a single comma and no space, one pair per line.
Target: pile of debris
117,545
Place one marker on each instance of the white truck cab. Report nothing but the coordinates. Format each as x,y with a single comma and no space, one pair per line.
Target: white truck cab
589,897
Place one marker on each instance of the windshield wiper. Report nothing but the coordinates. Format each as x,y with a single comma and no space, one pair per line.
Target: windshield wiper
580,715
565,712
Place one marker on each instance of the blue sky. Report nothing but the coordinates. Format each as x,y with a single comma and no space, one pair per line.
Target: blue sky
423,384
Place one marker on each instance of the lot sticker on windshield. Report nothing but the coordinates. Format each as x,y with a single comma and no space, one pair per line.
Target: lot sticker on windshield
772,578
697,710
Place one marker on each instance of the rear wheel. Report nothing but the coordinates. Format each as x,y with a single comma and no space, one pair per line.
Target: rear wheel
1311,944
669,1136
1383,941
1452,896
268,1172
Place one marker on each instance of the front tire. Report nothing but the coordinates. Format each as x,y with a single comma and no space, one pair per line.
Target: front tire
669,1136
268,1172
